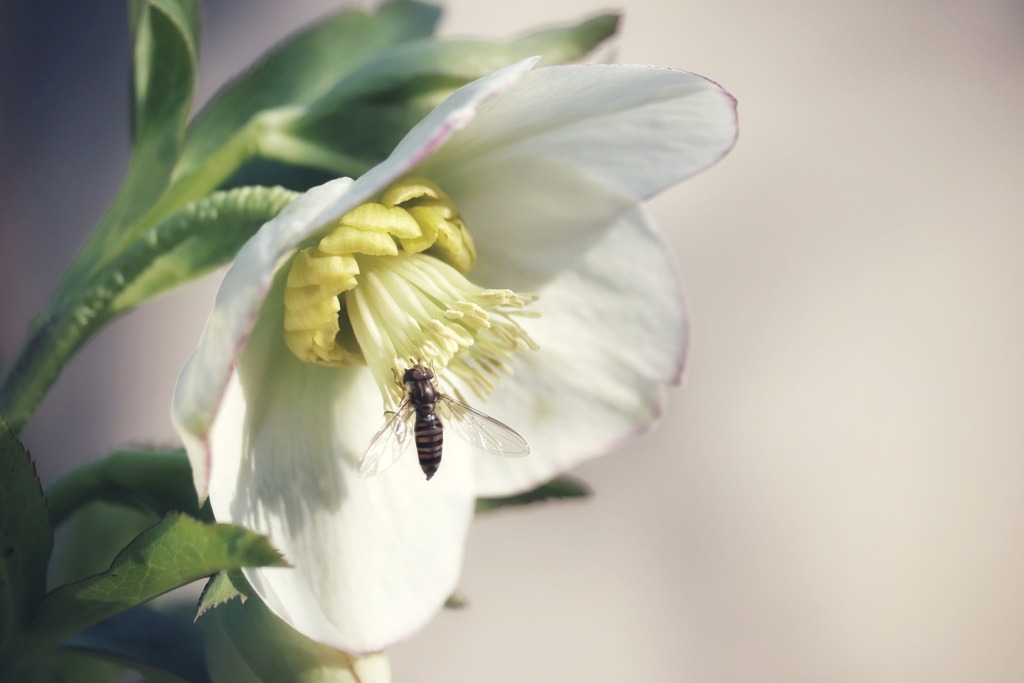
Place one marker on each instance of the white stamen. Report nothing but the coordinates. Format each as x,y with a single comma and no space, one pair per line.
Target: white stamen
413,307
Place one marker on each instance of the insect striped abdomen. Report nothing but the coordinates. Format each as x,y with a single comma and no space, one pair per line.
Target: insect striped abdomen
429,441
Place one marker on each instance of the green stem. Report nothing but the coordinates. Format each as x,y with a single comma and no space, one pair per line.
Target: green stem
54,336
191,180
52,339
72,317
199,179
82,301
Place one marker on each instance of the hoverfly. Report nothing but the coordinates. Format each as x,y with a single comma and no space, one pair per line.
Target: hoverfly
424,401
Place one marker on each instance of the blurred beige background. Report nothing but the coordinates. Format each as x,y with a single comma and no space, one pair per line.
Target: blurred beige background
836,492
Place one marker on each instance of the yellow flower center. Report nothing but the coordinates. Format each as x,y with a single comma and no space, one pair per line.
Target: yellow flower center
387,287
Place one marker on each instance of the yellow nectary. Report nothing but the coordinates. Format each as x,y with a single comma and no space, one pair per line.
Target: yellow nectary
387,285
413,214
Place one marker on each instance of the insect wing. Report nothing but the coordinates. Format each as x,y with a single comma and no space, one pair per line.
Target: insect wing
482,431
389,443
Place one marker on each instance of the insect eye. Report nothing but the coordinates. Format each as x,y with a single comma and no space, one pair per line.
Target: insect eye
428,373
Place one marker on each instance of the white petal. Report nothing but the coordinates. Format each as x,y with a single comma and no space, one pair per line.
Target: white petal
373,559
549,165
638,128
203,380
427,136
612,335
532,216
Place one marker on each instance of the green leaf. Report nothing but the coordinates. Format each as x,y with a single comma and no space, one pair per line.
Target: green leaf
177,551
456,601
87,542
200,237
69,666
353,125
165,645
221,588
564,44
304,68
26,540
150,481
166,54
235,125
556,489
423,65
166,39
358,123
192,242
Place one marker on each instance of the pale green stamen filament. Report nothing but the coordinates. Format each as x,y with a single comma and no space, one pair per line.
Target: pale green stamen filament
395,296
387,287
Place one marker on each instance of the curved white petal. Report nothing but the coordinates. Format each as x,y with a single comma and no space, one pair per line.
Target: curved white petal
612,335
531,216
641,128
203,381
436,129
373,559
549,165
554,170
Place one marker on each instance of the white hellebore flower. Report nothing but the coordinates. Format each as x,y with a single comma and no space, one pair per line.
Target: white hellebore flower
523,181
